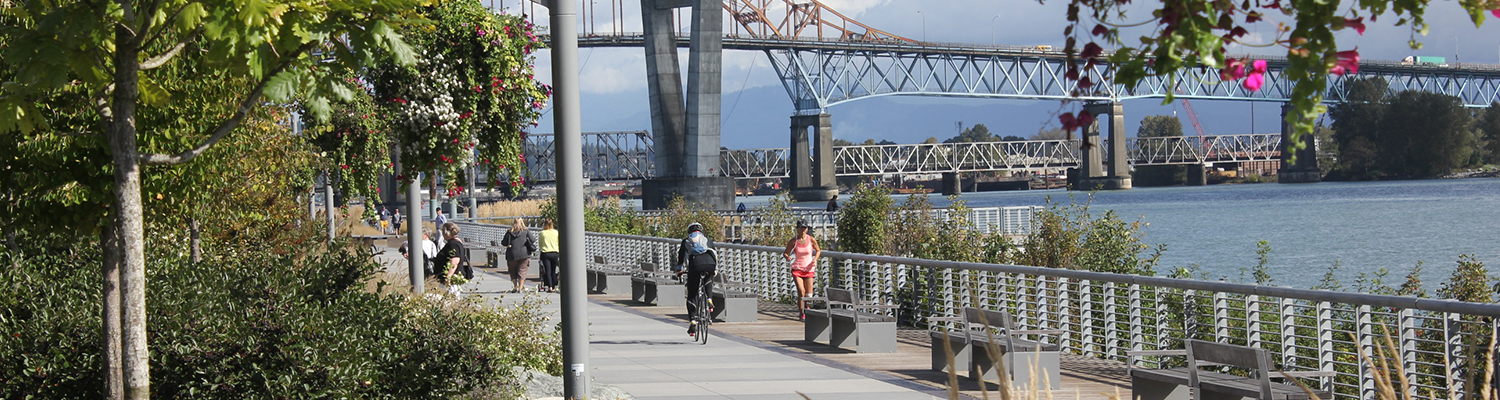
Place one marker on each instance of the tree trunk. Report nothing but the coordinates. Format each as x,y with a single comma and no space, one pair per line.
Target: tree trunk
195,239
109,243
15,251
122,145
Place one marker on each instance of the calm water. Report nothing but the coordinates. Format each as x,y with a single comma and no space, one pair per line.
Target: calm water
1364,226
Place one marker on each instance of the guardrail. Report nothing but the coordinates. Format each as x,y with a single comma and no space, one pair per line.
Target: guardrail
1438,343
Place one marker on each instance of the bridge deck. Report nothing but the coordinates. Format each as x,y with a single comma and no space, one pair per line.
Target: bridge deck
1083,378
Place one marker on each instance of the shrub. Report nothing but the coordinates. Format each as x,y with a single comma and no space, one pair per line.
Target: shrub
261,325
774,224
862,221
679,214
606,216
1068,236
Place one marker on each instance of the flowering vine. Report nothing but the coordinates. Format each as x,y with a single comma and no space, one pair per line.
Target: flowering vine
1194,34
354,142
470,99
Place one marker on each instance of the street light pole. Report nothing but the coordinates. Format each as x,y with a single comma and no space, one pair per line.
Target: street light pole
568,144
924,26
992,29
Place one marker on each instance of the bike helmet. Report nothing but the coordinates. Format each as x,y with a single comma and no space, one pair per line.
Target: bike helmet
695,227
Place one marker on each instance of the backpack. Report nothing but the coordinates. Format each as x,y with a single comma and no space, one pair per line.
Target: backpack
700,243
702,257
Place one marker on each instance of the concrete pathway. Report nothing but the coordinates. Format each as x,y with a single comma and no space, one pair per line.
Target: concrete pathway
652,357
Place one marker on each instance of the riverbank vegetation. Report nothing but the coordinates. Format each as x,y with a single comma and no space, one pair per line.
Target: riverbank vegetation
1411,134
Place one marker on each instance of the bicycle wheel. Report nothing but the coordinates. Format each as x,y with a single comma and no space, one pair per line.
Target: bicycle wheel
705,318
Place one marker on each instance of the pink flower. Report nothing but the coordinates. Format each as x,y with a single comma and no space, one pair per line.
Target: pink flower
1091,50
1233,70
1495,12
1100,30
1256,77
1348,63
1068,122
1358,24
1085,119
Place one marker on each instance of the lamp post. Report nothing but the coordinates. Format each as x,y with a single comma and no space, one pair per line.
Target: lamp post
924,26
992,29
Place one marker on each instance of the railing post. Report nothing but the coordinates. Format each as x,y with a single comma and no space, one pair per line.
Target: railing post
1137,337
1086,294
1325,336
1453,355
1288,331
1366,342
1221,317
1111,319
1406,332
1252,322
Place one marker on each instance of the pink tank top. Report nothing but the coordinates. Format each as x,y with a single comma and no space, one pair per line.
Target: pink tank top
802,255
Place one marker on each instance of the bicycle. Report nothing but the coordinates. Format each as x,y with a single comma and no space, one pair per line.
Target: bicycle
704,303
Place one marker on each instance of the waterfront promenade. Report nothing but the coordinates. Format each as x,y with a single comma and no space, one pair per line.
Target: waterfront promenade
645,351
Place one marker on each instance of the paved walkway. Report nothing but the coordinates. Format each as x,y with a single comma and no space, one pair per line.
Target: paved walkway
651,356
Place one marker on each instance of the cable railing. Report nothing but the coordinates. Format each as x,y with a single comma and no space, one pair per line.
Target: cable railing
739,226
1438,344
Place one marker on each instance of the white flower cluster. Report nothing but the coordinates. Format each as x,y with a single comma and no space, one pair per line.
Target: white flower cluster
428,109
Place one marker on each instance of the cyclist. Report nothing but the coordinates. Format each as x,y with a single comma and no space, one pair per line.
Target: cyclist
697,258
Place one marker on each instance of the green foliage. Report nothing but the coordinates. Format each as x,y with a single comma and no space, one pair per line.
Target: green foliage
863,220
1261,273
1159,175
1068,236
974,134
470,98
606,216
1330,280
1409,134
774,224
679,213
355,143
263,326
1159,126
1469,282
1488,126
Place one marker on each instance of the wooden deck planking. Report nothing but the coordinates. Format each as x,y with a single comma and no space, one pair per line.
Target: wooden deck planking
1083,378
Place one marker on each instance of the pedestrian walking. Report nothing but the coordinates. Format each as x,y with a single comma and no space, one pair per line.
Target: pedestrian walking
429,251
438,221
550,256
519,245
452,257
396,220
833,207
803,252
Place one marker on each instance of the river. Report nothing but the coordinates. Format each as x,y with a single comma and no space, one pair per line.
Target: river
1363,226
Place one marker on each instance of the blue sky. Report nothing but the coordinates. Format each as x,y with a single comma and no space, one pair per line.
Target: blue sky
756,108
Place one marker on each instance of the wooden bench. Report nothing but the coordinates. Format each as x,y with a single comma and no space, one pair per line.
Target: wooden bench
658,288
734,302
1180,383
983,333
609,278
844,323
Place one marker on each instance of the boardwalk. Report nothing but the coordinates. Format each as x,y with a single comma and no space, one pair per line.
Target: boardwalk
651,357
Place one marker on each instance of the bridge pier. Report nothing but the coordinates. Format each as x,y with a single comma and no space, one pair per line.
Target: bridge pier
685,137
1305,168
812,175
1197,175
1094,174
953,183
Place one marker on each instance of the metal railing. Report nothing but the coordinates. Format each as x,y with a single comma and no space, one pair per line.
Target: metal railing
1010,221
1438,344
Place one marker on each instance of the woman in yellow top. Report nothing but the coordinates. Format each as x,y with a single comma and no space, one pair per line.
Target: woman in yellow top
549,256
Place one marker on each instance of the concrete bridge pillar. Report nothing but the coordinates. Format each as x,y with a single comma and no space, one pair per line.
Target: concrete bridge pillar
812,175
1197,175
953,183
1305,169
685,135
1099,173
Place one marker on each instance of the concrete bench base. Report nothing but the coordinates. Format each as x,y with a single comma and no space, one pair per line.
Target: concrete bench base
1025,367
659,292
608,281
958,344
874,335
734,306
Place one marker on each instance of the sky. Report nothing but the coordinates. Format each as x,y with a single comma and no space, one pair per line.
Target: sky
756,109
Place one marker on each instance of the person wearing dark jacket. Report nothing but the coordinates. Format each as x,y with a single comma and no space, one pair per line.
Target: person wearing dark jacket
697,258
519,244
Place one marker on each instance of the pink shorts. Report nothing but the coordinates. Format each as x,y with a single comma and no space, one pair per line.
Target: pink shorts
804,274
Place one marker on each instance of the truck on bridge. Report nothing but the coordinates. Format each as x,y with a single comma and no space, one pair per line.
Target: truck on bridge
1425,60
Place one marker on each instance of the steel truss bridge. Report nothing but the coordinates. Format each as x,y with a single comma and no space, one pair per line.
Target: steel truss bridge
820,73
628,156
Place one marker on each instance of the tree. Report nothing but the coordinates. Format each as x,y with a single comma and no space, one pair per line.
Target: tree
1488,126
1158,126
930,140
1194,34
1424,134
1050,134
1012,138
974,134
1356,123
109,59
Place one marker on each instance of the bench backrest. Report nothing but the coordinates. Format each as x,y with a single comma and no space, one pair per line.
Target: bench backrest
989,318
842,295
1258,361
648,267
599,260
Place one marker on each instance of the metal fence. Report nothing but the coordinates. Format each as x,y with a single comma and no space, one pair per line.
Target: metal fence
1010,221
1438,344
